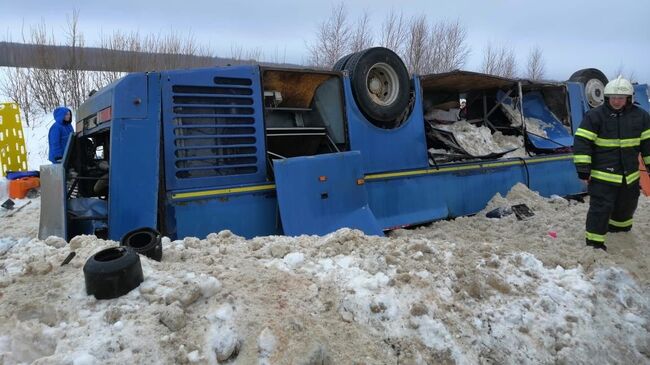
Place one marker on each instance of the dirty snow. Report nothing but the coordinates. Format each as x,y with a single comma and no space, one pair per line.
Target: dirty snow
450,115
537,127
479,140
533,125
464,291
20,223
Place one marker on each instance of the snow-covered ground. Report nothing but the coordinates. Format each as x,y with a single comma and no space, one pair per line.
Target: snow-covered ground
36,140
465,291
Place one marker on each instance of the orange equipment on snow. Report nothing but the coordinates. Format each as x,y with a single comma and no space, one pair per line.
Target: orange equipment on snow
645,177
19,188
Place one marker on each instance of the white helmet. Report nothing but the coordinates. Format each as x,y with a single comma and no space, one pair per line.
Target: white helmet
619,86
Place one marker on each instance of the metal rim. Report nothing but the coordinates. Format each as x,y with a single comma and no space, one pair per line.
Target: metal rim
594,89
382,84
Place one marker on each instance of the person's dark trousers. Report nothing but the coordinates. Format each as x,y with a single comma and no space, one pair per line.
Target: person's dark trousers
610,209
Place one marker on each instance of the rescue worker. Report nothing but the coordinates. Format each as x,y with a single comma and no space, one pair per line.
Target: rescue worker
606,150
59,133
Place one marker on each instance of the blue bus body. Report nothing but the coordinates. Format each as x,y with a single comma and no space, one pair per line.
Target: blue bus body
166,175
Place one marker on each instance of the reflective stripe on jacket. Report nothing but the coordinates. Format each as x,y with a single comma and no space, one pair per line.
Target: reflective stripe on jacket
608,142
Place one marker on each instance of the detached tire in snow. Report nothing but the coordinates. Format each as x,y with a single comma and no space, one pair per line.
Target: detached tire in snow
380,84
145,241
594,81
112,272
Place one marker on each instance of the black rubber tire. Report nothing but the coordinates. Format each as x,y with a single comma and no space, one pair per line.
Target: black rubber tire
145,241
340,64
584,76
112,272
359,65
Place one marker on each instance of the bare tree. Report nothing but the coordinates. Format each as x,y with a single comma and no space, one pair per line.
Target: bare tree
440,47
361,34
499,61
43,88
240,55
45,85
254,55
236,52
116,41
417,51
332,39
75,82
490,60
620,71
535,69
448,45
279,57
394,31
15,87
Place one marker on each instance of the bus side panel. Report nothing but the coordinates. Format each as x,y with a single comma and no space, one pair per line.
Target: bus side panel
135,156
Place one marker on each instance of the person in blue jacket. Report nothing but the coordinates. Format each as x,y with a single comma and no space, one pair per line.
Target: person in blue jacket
59,133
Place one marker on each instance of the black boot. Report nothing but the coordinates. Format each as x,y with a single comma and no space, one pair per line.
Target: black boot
596,245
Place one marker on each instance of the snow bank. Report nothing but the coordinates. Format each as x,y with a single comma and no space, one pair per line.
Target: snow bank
464,291
36,140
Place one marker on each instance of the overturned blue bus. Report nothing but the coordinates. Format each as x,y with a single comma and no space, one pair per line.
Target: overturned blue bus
262,150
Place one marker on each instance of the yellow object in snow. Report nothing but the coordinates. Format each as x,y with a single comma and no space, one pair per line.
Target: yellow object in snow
13,154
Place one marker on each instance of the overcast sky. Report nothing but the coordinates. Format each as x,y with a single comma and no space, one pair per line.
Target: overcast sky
573,34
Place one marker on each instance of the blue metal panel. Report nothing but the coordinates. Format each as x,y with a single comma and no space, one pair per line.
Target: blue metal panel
577,103
460,189
320,194
131,97
213,127
555,178
387,150
135,157
248,215
641,96
557,135
406,201
439,195
401,199
467,192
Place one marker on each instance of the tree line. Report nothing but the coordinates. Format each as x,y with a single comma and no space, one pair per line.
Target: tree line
425,45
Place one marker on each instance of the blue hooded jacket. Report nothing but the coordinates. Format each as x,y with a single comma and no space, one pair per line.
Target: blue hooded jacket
59,133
